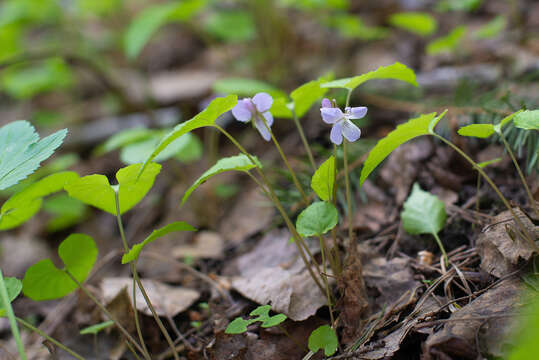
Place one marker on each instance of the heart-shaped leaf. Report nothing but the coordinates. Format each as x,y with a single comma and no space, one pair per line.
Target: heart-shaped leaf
13,287
324,338
95,189
22,151
396,71
323,179
317,219
133,254
423,213
44,281
237,163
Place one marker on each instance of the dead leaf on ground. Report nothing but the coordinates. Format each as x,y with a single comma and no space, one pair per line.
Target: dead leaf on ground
501,248
273,273
166,299
207,244
457,339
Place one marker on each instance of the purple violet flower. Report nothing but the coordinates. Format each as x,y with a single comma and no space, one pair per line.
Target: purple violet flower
256,109
342,126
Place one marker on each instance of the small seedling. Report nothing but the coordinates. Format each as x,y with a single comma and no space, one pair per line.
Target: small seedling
324,338
239,325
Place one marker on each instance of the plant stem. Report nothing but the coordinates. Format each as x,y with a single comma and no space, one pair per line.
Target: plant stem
492,185
283,156
522,178
126,249
108,314
441,246
304,140
334,200
299,241
11,316
348,196
142,290
49,338
325,278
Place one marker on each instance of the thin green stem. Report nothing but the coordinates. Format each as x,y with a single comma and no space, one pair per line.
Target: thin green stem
348,196
477,199
304,140
299,241
124,332
441,246
334,200
130,347
325,278
493,186
142,290
49,338
126,249
11,316
522,178
285,160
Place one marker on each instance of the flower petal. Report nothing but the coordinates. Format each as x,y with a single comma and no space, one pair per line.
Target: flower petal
331,115
336,133
350,131
262,129
242,111
326,103
357,112
262,102
269,118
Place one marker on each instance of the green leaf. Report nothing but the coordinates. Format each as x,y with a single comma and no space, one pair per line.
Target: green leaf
352,27
396,71
134,252
237,163
95,189
238,326
448,43
423,213
124,138
205,118
403,133
65,212
307,94
323,179
477,130
23,205
492,29
154,17
419,23
23,152
274,320
13,287
281,108
484,164
94,329
498,127
44,281
324,338
528,120
317,219
245,87
458,5
231,26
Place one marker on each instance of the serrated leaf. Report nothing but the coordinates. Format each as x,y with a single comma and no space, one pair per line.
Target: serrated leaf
396,71
13,287
447,43
307,94
477,130
95,189
149,20
528,120
23,152
419,23
23,205
95,329
423,213
317,219
44,281
134,252
403,133
234,163
205,118
324,338
323,179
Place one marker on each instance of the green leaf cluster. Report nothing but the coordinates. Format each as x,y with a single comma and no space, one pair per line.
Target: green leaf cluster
239,325
44,281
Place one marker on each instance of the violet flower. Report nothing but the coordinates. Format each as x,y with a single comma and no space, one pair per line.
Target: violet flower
256,109
342,126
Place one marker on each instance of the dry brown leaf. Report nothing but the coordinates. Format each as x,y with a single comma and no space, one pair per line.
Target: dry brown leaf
207,244
166,299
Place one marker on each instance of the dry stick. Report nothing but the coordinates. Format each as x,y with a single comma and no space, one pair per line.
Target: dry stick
494,187
300,243
304,139
141,287
49,338
522,178
124,332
